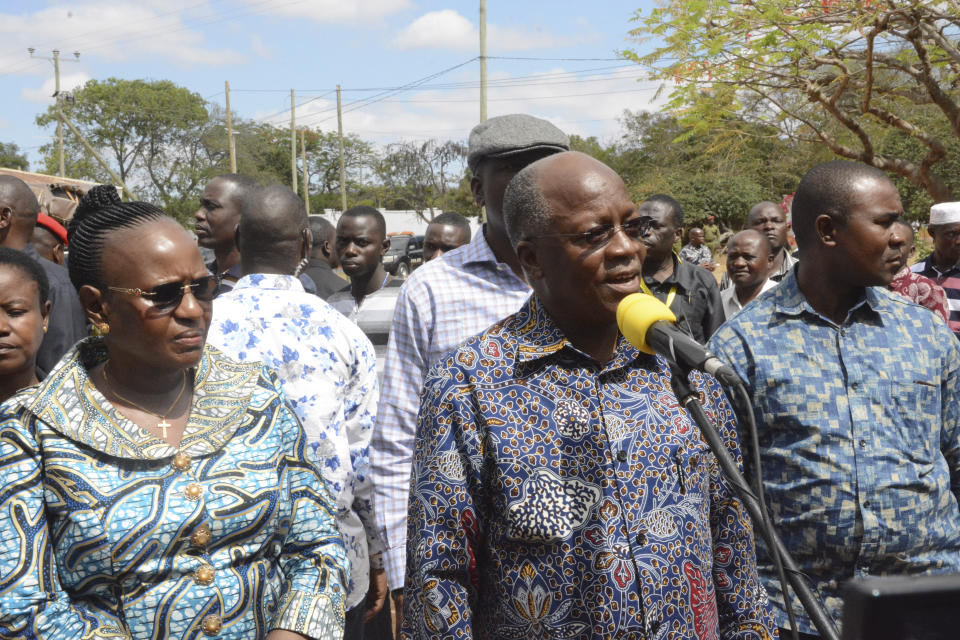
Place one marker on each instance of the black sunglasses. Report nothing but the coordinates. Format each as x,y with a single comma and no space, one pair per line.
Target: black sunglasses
168,296
600,236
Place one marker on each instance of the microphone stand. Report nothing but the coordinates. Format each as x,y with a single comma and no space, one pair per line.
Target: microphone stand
689,400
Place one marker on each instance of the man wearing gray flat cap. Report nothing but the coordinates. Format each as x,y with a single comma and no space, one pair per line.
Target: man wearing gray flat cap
443,303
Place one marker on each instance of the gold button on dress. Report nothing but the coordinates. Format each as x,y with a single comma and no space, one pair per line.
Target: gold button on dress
181,462
211,625
204,575
201,536
193,491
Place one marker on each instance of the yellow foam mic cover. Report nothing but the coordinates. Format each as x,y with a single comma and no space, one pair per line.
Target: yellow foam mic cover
636,314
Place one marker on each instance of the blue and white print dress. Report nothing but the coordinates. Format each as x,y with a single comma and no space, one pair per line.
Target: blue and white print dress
109,532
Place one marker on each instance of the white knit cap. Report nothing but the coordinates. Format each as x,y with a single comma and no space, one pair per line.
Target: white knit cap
945,213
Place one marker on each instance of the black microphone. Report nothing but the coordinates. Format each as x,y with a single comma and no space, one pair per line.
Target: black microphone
650,326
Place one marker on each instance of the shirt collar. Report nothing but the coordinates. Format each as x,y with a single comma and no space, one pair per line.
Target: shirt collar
930,265
72,405
789,300
538,336
682,276
269,281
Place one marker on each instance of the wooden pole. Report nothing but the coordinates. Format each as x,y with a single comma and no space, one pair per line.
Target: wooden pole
99,159
233,150
293,143
343,171
483,60
303,161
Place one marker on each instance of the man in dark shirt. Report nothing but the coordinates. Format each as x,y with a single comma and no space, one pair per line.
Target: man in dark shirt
690,292
943,265
216,227
18,217
323,259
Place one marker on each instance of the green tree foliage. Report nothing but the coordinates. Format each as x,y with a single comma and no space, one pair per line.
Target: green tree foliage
155,135
11,158
870,80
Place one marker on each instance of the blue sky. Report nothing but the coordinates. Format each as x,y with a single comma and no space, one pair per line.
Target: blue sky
266,47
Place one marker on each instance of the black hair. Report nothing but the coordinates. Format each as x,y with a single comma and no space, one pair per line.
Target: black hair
95,218
321,228
453,219
29,267
827,189
362,211
272,222
675,207
244,187
526,212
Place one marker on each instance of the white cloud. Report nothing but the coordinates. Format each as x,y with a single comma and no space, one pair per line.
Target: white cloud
44,95
586,105
447,29
336,11
104,29
262,50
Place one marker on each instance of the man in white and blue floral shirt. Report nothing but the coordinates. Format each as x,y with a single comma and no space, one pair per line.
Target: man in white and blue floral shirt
326,367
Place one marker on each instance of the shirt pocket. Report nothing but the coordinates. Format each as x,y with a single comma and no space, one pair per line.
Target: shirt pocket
549,507
915,411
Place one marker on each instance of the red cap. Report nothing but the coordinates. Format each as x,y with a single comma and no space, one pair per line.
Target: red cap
53,227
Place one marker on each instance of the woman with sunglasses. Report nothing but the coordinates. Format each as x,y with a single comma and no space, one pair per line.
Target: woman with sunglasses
154,487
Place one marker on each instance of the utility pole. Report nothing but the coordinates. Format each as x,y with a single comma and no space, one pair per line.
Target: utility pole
99,158
56,94
483,60
303,160
233,151
343,172
293,142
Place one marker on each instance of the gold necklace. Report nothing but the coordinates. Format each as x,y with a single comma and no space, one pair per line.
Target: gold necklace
163,425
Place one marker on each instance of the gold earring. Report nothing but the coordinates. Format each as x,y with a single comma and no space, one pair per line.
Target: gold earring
103,328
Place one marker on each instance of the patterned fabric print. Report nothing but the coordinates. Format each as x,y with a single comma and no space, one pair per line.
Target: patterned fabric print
327,370
100,538
441,304
859,434
696,255
922,290
584,503
949,281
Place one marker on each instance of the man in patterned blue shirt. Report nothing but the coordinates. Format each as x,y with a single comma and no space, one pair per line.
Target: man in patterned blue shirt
558,488
854,389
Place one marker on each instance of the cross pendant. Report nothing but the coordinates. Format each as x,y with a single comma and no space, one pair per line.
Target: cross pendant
162,425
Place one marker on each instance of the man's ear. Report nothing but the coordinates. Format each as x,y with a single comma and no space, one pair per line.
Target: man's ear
529,260
96,308
476,187
6,219
826,228
236,236
307,243
386,245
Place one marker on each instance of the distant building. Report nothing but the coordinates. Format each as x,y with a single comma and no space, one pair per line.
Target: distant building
57,196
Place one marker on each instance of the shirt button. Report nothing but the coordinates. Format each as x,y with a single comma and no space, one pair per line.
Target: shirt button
641,538
204,575
866,503
201,536
211,625
181,462
622,455
863,444
855,386
193,491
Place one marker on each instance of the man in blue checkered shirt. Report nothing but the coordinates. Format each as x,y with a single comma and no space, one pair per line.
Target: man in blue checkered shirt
854,389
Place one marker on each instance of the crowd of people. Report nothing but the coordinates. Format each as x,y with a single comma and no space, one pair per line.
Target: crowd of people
258,447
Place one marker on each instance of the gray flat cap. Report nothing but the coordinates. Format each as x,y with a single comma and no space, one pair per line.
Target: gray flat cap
509,135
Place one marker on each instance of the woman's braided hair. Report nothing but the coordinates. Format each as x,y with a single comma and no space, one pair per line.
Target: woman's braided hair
99,213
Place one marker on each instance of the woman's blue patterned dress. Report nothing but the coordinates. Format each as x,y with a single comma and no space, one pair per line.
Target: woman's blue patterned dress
109,532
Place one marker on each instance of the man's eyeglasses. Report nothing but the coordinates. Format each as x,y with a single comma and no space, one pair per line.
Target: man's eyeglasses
168,296
597,237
